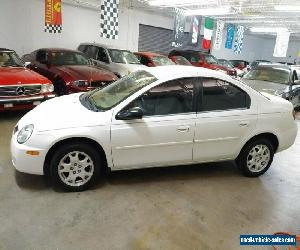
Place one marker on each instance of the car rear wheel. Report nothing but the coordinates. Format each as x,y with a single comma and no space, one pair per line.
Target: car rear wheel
75,167
256,157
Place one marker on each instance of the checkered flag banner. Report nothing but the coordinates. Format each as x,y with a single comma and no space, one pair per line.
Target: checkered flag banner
219,35
52,28
53,19
109,19
238,44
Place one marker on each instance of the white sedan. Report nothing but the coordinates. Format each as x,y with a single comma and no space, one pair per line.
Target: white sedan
160,116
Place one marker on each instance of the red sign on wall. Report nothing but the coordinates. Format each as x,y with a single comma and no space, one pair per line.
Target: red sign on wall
53,17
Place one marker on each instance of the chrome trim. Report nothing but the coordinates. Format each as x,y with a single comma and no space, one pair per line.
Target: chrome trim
27,99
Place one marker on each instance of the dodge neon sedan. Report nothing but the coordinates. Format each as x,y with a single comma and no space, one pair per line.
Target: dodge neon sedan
161,116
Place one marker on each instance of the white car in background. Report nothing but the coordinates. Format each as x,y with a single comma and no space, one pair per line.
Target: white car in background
160,116
120,62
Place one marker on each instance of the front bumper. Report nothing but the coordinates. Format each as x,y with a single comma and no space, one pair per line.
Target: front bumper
24,162
23,102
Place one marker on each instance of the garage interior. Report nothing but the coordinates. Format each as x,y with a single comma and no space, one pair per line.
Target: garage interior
205,206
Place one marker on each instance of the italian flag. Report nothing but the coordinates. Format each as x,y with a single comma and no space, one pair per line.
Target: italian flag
208,30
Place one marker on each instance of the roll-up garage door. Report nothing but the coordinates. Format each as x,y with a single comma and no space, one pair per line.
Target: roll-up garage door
159,40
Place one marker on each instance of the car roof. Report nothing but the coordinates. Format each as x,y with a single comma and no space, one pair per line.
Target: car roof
6,50
60,49
273,65
183,71
189,52
148,53
103,46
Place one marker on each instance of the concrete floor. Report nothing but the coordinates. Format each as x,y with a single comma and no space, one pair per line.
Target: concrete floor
188,207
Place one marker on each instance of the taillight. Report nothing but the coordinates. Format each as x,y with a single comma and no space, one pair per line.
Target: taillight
294,114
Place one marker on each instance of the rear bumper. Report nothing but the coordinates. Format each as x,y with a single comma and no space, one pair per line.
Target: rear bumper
287,138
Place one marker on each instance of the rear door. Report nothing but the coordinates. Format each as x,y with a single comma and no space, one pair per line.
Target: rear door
225,118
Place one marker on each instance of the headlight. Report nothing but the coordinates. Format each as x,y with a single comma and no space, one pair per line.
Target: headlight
47,88
25,133
80,83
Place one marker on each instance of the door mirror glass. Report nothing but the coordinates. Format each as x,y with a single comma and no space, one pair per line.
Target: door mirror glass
130,114
296,82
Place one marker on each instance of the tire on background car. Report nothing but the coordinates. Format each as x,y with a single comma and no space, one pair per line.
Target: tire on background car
256,157
75,167
60,87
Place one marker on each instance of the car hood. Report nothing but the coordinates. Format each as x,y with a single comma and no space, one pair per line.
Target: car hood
12,76
63,113
84,72
268,87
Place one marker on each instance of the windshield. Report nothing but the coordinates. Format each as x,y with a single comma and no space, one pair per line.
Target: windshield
60,58
116,92
10,59
182,60
210,59
276,75
161,60
123,56
226,63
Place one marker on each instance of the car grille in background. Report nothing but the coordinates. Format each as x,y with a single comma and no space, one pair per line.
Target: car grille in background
99,84
20,90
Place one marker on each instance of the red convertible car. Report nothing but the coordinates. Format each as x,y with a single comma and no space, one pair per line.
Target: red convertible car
20,88
69,70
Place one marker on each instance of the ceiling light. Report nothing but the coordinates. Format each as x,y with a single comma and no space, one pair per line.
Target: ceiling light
287,8
208,12
268,29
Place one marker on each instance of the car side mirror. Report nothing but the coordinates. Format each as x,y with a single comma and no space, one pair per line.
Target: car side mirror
296,82
130,114
26,64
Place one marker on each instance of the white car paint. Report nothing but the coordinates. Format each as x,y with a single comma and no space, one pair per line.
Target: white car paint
157,140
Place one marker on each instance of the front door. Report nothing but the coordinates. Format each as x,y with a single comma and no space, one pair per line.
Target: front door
164,136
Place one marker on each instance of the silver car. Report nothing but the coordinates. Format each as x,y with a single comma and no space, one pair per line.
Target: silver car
120,62
276,79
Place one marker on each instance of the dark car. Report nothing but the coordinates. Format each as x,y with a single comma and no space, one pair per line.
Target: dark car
276,79
69,70
202,59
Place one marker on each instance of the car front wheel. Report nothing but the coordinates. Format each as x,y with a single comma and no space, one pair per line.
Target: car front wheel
256,157
75,167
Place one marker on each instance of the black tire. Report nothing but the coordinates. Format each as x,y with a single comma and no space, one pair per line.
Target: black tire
61,156
60,88
242,160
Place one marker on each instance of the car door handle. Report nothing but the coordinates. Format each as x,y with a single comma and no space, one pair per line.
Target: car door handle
244,123
183,129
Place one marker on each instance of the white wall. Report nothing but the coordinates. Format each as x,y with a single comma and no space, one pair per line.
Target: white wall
257,47
22,26
252,49
22,29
